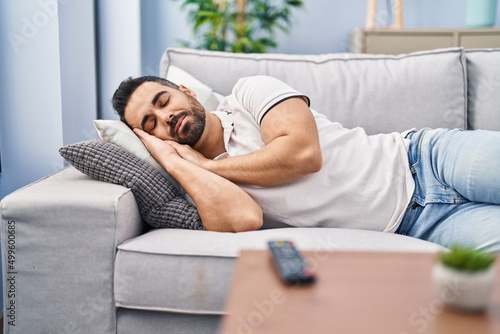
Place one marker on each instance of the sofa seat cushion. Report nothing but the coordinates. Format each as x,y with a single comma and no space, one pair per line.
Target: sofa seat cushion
138,321
190,271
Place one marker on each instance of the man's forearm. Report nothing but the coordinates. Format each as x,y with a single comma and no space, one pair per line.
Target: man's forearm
277,162
222,205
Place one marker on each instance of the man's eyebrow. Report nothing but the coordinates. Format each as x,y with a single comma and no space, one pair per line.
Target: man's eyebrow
157,96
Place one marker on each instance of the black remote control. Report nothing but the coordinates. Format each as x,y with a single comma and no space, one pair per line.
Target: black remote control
292,267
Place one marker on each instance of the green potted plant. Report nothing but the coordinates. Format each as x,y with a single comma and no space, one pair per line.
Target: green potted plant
464,277
238,25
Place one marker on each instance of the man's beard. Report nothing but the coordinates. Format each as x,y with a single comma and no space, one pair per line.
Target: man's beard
194,129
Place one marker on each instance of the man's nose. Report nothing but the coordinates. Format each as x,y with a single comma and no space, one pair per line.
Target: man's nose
166,116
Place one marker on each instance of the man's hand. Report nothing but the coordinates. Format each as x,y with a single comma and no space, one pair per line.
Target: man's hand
159,149
163,148
188,153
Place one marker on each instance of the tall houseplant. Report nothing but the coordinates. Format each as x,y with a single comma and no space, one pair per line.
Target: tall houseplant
238,25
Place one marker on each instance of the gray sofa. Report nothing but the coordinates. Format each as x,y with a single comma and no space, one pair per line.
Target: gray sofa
78,259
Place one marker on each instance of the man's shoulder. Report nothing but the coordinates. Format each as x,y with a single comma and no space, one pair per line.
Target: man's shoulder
259,83
257,78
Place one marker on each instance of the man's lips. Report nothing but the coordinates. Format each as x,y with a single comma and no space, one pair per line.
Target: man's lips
179,124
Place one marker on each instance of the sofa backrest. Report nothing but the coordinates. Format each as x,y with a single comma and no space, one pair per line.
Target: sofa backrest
381,93
483,77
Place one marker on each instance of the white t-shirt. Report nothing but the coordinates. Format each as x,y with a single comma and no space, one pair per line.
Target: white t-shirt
364,183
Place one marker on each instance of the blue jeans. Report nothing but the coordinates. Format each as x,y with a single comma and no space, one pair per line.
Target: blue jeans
457,188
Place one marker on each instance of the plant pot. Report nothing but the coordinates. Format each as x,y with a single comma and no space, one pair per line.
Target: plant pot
467,291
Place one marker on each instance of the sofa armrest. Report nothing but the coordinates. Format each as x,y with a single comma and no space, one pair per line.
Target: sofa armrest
59,239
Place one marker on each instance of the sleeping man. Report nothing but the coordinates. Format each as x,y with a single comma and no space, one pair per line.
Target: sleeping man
265,157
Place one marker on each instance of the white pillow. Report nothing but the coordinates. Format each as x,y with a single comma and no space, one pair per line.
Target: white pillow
119,133
205,95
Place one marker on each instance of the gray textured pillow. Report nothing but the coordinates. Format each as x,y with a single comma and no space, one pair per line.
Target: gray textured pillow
160,204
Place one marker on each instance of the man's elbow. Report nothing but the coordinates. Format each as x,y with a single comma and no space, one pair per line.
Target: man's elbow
312,160
250,220
316,162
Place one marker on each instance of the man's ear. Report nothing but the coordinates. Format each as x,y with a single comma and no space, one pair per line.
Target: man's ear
186,90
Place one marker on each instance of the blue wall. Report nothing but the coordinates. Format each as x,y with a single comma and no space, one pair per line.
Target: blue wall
119,48
48,95
324,26
30,94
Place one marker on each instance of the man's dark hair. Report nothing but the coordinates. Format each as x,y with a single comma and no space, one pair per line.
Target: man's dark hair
127,88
